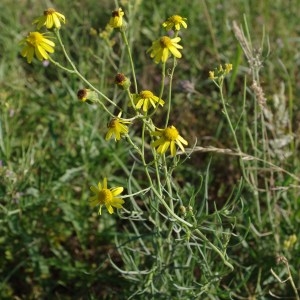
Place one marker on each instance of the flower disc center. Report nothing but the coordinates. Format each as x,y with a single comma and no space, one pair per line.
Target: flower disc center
105,196
165,42
171,133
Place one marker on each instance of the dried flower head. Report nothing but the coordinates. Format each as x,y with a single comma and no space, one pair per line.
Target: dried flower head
87,95
122,81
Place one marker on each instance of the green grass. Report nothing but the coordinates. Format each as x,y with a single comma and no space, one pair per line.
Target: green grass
52,148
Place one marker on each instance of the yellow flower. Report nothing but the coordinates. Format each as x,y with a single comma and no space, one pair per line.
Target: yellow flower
168,137
106,33
290,242
212,75
116,20
175,21
116,127
36,43
105,196
145,98
220,72
161,48
51,18
228,68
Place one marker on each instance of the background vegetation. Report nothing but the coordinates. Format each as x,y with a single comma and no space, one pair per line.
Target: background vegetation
52,149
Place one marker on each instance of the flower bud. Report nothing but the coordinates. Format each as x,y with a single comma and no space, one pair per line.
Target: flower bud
182,210
122,81
116,21
86,95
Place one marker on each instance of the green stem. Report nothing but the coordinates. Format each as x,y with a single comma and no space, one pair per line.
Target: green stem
167,178
162,86
228,118
203,237
170,211
125,40
75,70
225,111
159,196
170,92
163,77
131,99
57,64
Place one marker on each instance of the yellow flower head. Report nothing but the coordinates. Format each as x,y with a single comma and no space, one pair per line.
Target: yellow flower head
116,20
212,75
228,68
220,72
161,48
105,196
116,127
145,98
50,19
36,43
168,137
175,21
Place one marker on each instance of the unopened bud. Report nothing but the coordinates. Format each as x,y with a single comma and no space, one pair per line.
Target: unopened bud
86,95
122,81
